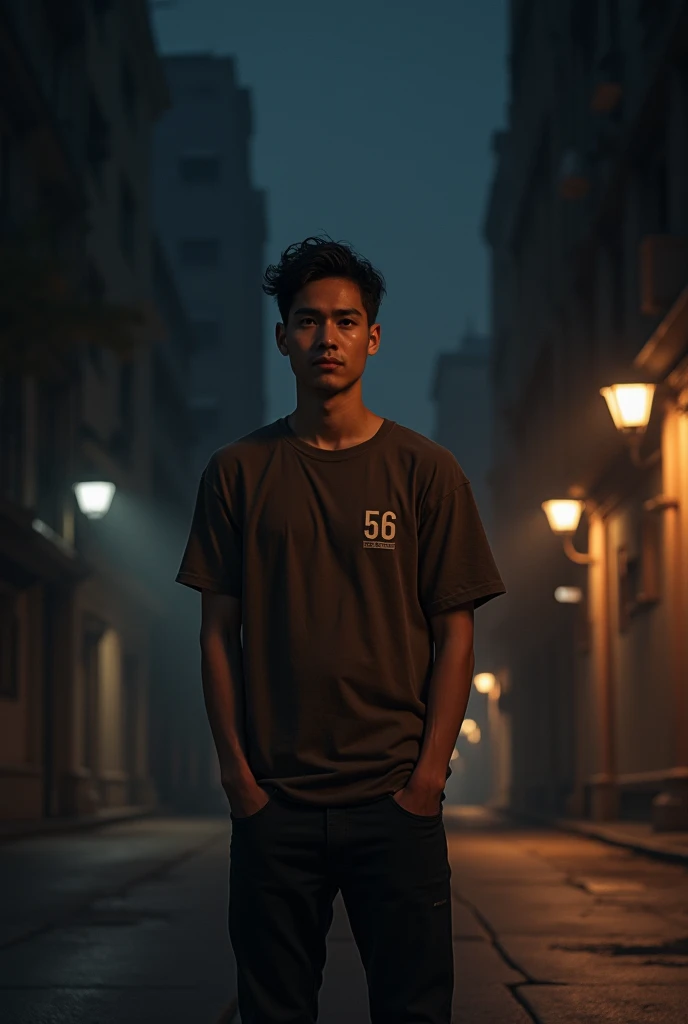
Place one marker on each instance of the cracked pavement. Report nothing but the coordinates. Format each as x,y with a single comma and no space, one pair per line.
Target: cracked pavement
128,924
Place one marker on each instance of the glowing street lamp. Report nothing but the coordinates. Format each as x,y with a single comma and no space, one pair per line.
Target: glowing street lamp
468,726
484,682
630,406
563,516
568,595
94,497
475,736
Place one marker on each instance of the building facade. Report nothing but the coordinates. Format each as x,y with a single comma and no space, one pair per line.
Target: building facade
462,396
588,227
180,740
211,221
81,88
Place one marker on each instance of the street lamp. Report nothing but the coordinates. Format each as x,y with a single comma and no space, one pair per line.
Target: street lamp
94,497
568,595
484,682
563,516
630,406
475,736
468,726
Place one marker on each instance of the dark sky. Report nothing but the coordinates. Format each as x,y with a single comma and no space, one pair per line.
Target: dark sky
373,124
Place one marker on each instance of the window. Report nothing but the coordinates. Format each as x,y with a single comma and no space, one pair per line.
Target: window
202,91
206,333
200,252
129,90
97,137
199,168
9,646
204,413
5,171
127,220
12,436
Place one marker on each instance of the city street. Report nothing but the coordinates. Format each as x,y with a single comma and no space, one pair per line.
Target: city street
127,924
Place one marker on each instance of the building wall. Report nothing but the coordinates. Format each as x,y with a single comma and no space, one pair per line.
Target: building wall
463,423
590,194
78,120
211,220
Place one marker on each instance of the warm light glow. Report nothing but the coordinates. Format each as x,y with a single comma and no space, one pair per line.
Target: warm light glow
94,497
468,726
568,595
454,754
484,682
563,514
475,736
496,691
630,405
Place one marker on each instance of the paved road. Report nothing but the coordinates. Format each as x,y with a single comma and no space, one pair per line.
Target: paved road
127,926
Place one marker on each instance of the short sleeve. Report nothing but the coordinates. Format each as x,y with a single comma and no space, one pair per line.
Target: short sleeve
213,556
455,563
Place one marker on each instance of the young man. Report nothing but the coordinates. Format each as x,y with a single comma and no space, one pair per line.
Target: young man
333,548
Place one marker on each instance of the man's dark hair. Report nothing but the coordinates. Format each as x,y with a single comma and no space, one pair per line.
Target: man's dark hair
316,258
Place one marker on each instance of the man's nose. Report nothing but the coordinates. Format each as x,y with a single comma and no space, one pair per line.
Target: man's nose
325,333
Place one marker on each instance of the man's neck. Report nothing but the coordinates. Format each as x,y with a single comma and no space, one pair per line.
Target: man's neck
332,427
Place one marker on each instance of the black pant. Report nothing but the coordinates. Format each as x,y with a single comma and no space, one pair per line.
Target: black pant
287,864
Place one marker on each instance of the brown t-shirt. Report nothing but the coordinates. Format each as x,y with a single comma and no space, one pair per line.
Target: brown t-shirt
338,557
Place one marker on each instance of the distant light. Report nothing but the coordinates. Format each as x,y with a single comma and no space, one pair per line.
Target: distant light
568,595
468,726
475,736
484,682
563,514
454,754
94,497
496,692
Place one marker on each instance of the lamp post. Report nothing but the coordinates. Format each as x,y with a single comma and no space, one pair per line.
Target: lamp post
94,497
563,516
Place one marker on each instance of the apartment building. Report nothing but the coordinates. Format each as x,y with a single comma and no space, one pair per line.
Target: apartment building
82,86
211,220
587,222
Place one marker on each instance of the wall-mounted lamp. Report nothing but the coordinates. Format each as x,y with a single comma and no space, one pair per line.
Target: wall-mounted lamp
568,595
475,736
94,497
563,516
484,682
630,406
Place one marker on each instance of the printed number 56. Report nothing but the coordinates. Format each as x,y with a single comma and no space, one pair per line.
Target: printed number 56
373,527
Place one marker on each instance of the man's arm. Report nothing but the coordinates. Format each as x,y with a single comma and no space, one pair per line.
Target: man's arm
449,690
223,687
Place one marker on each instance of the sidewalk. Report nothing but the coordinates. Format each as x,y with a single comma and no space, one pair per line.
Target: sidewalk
638,836
26,828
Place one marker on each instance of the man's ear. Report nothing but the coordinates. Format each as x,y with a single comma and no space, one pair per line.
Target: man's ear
374,339
280,333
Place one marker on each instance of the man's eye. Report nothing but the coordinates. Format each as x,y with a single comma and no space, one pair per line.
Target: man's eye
306,320
346,322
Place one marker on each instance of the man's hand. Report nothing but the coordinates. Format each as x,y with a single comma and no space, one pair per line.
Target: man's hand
420,797
245,798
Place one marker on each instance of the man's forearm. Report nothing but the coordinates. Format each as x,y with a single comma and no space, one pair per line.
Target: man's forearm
223,687
448,693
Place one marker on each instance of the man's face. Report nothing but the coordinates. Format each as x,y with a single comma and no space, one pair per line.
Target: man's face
327,321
